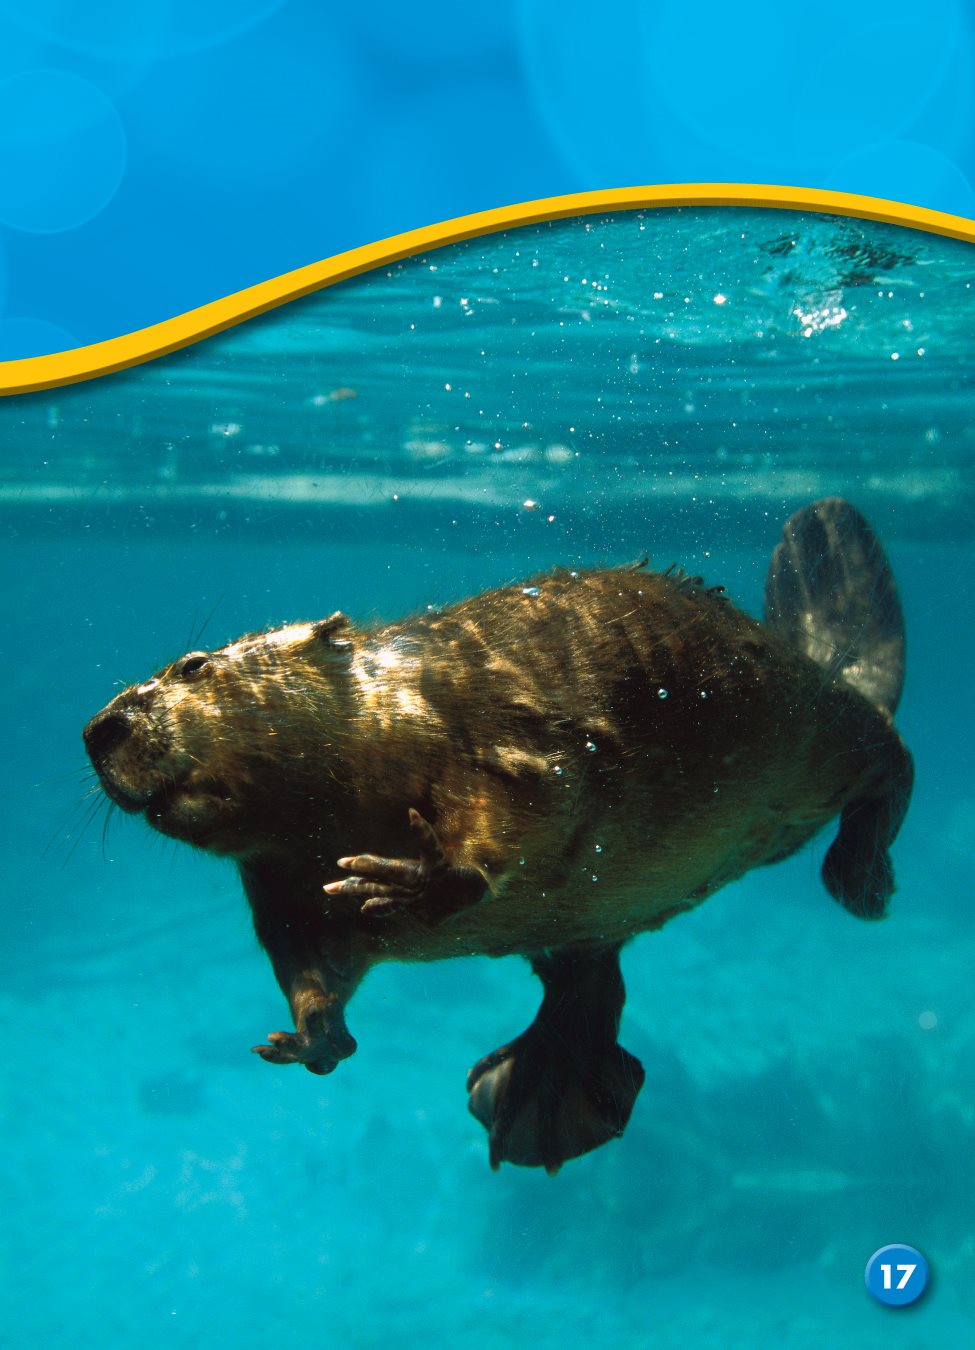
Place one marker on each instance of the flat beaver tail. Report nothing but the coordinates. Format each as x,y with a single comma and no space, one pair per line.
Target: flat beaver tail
830,592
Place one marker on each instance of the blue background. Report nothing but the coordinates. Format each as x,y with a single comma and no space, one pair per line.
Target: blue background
155,157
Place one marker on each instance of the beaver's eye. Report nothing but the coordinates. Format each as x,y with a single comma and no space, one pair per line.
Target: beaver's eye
194,665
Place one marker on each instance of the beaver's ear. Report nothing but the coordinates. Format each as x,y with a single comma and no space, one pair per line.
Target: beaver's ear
326,630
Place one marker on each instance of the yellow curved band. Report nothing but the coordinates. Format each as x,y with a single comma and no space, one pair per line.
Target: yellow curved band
102,358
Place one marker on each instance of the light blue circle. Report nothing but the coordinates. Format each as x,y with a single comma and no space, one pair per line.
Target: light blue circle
777,96
63,151
120,29
32,337
892,1266
857,73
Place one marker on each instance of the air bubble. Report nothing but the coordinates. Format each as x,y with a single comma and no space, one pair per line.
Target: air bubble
599,848
530,590
661,693
592,747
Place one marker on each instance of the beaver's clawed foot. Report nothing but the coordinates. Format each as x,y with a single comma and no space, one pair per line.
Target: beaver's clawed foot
321,1043
428,885
544,1101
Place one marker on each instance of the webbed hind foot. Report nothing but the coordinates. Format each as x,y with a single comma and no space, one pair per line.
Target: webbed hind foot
857,870
564,1086
543,1106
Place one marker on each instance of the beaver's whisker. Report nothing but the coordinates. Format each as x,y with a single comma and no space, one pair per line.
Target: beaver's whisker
90,815
197,637
84,774
189,644
64,830
108,816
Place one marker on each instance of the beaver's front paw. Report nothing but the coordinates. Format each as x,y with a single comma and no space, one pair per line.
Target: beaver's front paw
428,885
320,1045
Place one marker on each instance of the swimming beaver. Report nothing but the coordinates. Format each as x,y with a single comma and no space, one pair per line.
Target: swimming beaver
547,768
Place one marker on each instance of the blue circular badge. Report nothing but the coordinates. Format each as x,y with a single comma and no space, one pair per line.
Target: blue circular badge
896,1275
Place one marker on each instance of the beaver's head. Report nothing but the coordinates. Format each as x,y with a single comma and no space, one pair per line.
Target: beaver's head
221,748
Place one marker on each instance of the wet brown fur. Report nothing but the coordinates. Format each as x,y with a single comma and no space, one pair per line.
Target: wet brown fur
607,748
617,708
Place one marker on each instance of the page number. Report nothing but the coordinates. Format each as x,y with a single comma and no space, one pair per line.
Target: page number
902,1282
896,1275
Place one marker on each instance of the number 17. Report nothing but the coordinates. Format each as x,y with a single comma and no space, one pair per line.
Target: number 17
908,1272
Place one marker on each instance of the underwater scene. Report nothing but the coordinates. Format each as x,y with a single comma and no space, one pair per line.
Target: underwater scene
672,384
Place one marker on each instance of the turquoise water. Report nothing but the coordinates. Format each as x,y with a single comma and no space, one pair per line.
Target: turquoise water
676,382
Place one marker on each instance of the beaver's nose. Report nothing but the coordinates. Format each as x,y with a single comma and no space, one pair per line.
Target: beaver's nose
103,733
